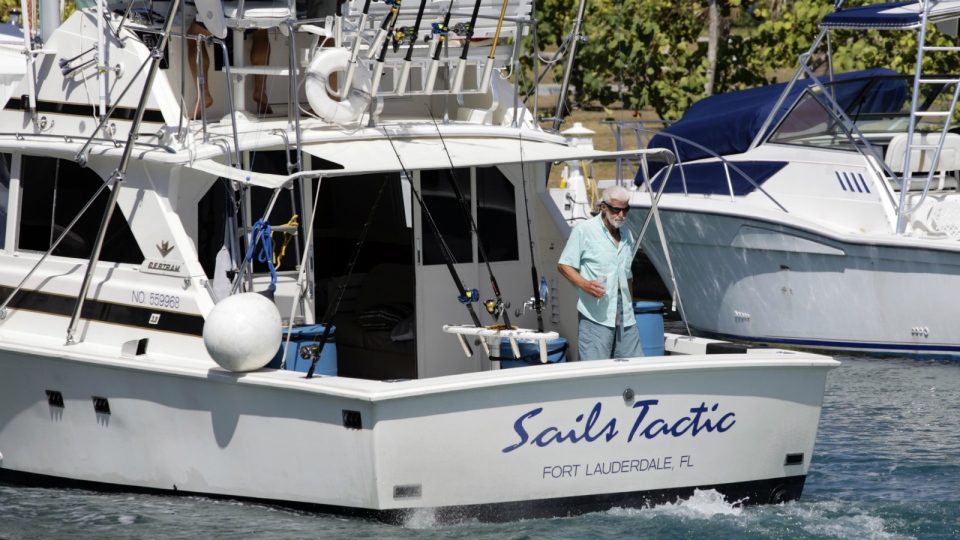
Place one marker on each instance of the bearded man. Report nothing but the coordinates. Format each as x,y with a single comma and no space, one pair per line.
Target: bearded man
596,260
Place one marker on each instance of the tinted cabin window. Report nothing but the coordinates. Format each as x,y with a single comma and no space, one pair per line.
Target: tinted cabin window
54,192
497,215
441,201
212,213
4,195
344,208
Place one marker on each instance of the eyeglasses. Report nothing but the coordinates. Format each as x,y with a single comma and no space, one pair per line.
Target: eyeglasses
615,210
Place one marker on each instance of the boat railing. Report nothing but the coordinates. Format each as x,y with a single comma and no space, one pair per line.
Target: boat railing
643,136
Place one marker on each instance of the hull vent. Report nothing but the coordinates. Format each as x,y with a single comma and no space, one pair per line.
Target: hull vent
352,420
55,398
101,405
794,459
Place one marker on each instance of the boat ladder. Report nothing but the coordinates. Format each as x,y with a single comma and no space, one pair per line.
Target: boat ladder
917,145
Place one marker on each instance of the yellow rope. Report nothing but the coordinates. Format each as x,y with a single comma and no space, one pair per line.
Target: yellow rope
590,185
287,237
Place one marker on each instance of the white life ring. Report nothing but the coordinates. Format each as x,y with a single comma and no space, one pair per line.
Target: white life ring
319,92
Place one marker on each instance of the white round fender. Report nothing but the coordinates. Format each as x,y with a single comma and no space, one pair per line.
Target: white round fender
319,93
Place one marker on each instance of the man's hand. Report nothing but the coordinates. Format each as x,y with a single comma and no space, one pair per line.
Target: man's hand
594,289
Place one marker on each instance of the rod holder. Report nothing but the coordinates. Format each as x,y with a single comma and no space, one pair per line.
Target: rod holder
376,44
458,76
402,79
487,75
431,77
375,82
347,80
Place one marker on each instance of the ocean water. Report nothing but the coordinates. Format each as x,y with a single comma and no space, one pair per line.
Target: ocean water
886,466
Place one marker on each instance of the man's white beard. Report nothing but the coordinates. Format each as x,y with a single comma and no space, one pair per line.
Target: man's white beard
617,222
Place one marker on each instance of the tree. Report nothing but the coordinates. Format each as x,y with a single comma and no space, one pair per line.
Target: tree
652,48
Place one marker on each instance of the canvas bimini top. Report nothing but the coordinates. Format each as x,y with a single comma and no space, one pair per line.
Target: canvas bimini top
890,16
726,124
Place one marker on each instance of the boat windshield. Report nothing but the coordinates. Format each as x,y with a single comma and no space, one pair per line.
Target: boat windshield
810,124
879,107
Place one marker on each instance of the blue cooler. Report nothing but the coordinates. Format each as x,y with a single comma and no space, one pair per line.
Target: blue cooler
530,353
650,322
308,335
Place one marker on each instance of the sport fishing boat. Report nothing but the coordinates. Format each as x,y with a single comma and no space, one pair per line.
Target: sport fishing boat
277,301
791,197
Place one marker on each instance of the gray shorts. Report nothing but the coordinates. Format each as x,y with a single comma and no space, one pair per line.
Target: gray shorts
599,342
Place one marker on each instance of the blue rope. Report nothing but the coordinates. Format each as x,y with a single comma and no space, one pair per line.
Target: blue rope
266,249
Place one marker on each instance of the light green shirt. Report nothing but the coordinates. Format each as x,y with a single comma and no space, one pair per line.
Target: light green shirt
592,252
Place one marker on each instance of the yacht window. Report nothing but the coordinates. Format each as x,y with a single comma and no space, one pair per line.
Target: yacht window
343,210
809,124
441,200
213,212
4,195
497,215
54,192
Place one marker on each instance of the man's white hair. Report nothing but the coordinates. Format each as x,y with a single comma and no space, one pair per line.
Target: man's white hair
615,193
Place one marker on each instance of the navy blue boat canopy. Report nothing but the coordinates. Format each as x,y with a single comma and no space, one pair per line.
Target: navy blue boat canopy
890,16
726,124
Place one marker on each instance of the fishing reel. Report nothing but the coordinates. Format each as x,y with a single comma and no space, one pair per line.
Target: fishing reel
494,308
404,35
470,295
309,352
532,302
463,29
439,29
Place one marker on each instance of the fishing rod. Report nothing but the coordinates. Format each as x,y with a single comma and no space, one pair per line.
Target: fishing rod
386,27
407,60
465,30
466,295
499,306
395,39
352,64
537,298
488,68
334,304
441,29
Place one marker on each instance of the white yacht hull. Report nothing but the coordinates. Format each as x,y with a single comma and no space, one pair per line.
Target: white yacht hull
779,283
557,440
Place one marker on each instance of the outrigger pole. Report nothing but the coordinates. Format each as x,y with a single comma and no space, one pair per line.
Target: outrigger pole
466,296
118,175
473,227
568,69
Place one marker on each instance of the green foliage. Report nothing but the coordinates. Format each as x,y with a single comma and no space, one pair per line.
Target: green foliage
655,48
7,5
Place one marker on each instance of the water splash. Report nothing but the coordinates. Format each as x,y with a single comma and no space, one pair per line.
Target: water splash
704,504
421,518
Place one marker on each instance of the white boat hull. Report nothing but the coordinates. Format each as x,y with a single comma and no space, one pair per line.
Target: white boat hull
554,440
775,283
